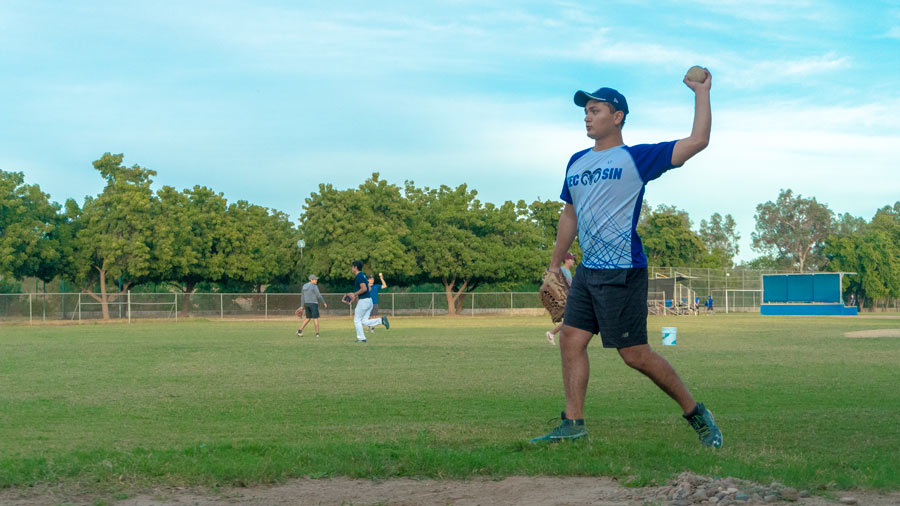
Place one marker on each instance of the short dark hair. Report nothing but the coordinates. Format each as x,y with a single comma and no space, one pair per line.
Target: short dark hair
612,110
358,264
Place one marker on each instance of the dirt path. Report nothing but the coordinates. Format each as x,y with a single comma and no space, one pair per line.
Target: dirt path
874,333
520,491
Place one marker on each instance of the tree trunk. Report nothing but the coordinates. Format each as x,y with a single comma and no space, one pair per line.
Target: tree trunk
104,302
186,303
453,299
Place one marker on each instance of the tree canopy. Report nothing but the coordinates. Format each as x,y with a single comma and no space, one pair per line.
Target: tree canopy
794,228
129,235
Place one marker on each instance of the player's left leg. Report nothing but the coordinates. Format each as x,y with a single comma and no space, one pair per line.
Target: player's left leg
661,372
360,316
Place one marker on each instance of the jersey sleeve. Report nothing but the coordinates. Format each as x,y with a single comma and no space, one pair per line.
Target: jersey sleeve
565,196
652,160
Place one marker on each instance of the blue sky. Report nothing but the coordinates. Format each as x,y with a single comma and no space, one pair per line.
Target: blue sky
265,100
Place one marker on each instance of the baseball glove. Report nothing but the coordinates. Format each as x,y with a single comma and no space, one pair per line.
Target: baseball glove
299,312
554,291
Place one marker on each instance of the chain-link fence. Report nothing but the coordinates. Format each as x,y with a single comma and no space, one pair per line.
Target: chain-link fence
131,305
732,290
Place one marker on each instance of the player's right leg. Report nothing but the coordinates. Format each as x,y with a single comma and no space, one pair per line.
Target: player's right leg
573,341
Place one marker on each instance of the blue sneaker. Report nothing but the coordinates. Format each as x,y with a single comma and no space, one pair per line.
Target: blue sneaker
703,422
385,322
568,430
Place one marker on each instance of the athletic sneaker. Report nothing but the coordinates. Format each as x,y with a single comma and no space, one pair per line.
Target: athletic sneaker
701,419
360,340
299,333
317,335
550,337
385,322
568,430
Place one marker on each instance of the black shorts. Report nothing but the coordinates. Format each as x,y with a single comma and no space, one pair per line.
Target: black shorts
312,310
609,302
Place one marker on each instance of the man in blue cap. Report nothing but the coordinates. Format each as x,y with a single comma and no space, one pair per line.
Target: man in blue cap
603,191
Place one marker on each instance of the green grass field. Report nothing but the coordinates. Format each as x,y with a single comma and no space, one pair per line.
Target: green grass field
207,403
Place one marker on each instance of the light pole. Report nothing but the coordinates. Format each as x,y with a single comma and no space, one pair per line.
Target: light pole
726,291
300,244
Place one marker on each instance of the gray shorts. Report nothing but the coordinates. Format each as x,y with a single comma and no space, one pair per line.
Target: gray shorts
374,310
609,302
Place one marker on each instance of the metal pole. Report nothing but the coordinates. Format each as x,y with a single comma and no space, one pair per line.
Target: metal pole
510,302
221,306
29,306
392,304
726,293
267,306
432,303
129,306
79,306
473,303
176,307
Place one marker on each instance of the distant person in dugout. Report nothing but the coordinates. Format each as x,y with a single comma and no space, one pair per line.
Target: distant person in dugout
709,305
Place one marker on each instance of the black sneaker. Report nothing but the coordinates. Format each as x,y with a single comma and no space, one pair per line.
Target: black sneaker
299,333
385,322
317,335
703,422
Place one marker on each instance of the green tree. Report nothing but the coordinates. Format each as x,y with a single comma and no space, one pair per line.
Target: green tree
369,223
794,228
259,246
870,250
194,226
116,236
767,263
545,216
463,243
28,220
668,239
721,237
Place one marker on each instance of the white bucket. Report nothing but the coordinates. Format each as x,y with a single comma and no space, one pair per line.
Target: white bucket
669,336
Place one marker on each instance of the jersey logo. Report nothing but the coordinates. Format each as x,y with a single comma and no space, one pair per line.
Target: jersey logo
589,177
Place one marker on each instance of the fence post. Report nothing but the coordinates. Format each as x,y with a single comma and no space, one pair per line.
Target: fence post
510,303
79,306
176,307
221,306
473,303
392,304
29,308
266,317
129,306
432,303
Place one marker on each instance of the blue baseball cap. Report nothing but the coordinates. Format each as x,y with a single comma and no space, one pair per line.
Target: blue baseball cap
607,95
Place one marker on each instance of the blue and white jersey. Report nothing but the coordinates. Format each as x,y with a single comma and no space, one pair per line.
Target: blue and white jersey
606,189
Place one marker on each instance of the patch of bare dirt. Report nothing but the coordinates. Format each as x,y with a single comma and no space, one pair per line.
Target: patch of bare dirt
874,333
687,489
